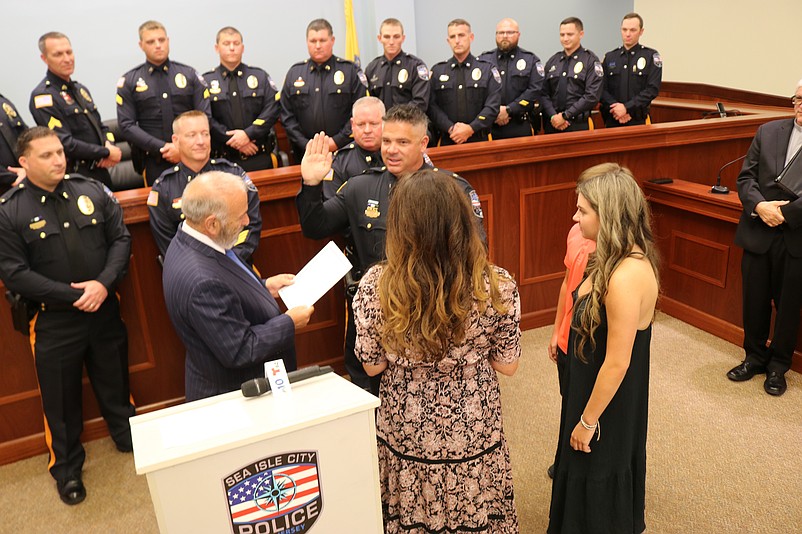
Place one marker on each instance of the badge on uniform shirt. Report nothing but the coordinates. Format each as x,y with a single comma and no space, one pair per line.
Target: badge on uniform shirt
153,198
372,210
85,94
180,80
176,204
578,67
521,64
215,87
641,63
476,74
42,101
252,82
658,61
141,86
339,77
423,73
85,205
67,98
9,110
403,76
444,77
299,82
553,68
598,69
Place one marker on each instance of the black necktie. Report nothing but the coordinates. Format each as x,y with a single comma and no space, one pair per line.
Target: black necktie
79,99
462,99
562,86
236,102
163,94
387,87
623,94
72,240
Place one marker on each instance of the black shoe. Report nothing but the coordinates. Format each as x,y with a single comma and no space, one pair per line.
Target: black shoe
745,371
124,447
71,490
775,383
550,471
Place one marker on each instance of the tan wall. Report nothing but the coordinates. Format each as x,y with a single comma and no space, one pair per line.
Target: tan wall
745,44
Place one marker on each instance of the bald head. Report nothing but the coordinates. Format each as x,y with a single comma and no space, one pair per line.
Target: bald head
215,203
507,34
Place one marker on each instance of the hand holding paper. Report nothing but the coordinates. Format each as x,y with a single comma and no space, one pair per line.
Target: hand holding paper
316,278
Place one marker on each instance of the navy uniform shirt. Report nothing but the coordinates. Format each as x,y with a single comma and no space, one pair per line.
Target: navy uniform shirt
11,125
573,84
631,77
482,89
361,204
150,96
164,206
67,108
36,258
256,97
351,160
318,98
521,78
400,80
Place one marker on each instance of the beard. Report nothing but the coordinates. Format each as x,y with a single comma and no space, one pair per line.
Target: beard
228,235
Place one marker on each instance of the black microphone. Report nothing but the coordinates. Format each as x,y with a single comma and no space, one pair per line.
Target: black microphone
721,111
723,189
260,386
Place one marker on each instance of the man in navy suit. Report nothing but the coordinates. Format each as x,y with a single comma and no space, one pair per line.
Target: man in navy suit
770,232
224,313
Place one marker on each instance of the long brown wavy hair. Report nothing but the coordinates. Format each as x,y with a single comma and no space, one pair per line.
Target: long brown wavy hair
436,267
624,221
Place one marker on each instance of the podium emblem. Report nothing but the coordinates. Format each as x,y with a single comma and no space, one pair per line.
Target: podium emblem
276,494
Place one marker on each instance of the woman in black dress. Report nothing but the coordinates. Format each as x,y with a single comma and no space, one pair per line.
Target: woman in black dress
600,467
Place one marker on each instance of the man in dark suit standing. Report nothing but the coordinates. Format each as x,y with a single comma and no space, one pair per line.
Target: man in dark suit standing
770,232
225,314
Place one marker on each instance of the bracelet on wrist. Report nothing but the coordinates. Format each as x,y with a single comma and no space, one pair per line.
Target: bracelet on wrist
596,427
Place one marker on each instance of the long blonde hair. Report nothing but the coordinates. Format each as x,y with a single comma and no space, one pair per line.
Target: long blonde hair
436,267
624,223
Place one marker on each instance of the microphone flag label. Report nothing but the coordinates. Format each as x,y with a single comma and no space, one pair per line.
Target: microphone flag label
276,375
278,494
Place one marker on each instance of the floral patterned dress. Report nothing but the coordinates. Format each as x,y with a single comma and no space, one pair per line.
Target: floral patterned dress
443,459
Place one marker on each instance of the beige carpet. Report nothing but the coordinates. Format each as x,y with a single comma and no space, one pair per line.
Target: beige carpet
722,457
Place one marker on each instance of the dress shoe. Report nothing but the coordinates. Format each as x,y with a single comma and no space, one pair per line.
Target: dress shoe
550,471
775,383
745,371
124,447
71,490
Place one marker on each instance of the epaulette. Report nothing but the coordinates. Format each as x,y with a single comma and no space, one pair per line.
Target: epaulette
76,177
349,146
378,170
440,63
11,192
338,59
486,52
223,162
167,172
300,63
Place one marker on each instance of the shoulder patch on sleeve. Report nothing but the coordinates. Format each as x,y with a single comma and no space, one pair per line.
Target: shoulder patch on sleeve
658,61
476,204
153,198
540,69
121,82
423,73
496,75
362,78
53,123
43,101
597,68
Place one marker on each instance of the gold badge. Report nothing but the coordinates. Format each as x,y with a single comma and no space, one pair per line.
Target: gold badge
476,74
252,82
9,110
372,210
141,86
299,82
37,224
403,76
521,64
339,77
85,205
578,67
180,80
641,63
85,94
214,87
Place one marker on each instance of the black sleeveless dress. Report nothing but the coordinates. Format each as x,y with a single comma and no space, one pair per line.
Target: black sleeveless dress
603,491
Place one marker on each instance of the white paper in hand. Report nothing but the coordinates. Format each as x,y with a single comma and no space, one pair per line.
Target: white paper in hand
316,278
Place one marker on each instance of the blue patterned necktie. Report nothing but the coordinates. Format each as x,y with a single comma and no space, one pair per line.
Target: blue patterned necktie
233,257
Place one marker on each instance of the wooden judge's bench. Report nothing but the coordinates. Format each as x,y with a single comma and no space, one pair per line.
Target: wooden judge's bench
527,191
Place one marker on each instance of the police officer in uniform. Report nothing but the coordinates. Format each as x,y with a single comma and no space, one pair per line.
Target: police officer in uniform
64,248
632,77
365,152
11,126
67,107
192,138
466,92
397,77
573,83
318,92
521,83
244,106
361,203
150,96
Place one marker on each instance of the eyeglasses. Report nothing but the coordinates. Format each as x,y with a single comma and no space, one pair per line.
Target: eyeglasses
504,34
796,99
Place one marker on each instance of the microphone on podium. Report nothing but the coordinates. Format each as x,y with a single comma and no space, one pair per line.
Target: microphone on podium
723,189
260,386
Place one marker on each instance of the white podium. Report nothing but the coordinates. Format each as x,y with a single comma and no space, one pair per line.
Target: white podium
284,464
